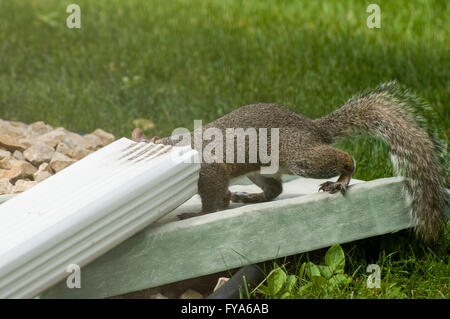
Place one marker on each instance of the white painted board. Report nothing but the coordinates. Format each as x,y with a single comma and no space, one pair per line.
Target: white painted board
88,208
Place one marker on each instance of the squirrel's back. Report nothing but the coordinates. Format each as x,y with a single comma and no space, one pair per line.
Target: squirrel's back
261,115
268,115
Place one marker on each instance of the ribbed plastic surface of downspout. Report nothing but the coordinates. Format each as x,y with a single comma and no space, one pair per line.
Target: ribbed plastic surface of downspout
88,208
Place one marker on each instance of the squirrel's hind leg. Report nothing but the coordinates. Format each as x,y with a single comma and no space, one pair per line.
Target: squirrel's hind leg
271,186
324,161
213,189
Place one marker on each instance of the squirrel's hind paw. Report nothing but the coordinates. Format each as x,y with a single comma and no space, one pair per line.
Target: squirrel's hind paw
244,197
188,215
333,187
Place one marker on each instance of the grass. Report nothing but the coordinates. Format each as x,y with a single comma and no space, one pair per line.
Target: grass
406,271
180,60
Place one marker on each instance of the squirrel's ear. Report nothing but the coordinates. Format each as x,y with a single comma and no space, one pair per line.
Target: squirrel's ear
138,135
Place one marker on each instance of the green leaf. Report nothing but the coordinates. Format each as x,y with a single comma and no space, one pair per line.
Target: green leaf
285,295
304,288
290,283
325,271
396,292
302,271
339,279
319,281
276,281
312,270
335,259
264,290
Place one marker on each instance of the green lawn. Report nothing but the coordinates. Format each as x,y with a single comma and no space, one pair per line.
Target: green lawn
176,61
406,271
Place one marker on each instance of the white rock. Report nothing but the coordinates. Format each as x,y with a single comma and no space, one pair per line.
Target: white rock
6,162
18,125
191,294
39,153
11,143
158,296
44,171
93,142
75,139
73,151
13,129
26,142
53,137
18,170
39,176
38,128
5,186
60,161
18,155
22,185
220,282
105,137
4,154
45,167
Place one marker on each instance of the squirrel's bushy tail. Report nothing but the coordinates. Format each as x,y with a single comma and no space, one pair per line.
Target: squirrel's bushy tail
390,113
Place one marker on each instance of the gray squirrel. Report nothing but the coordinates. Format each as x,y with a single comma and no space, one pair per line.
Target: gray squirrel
305,150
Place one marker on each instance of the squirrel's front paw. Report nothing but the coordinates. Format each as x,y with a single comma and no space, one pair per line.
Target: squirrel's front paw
333,187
